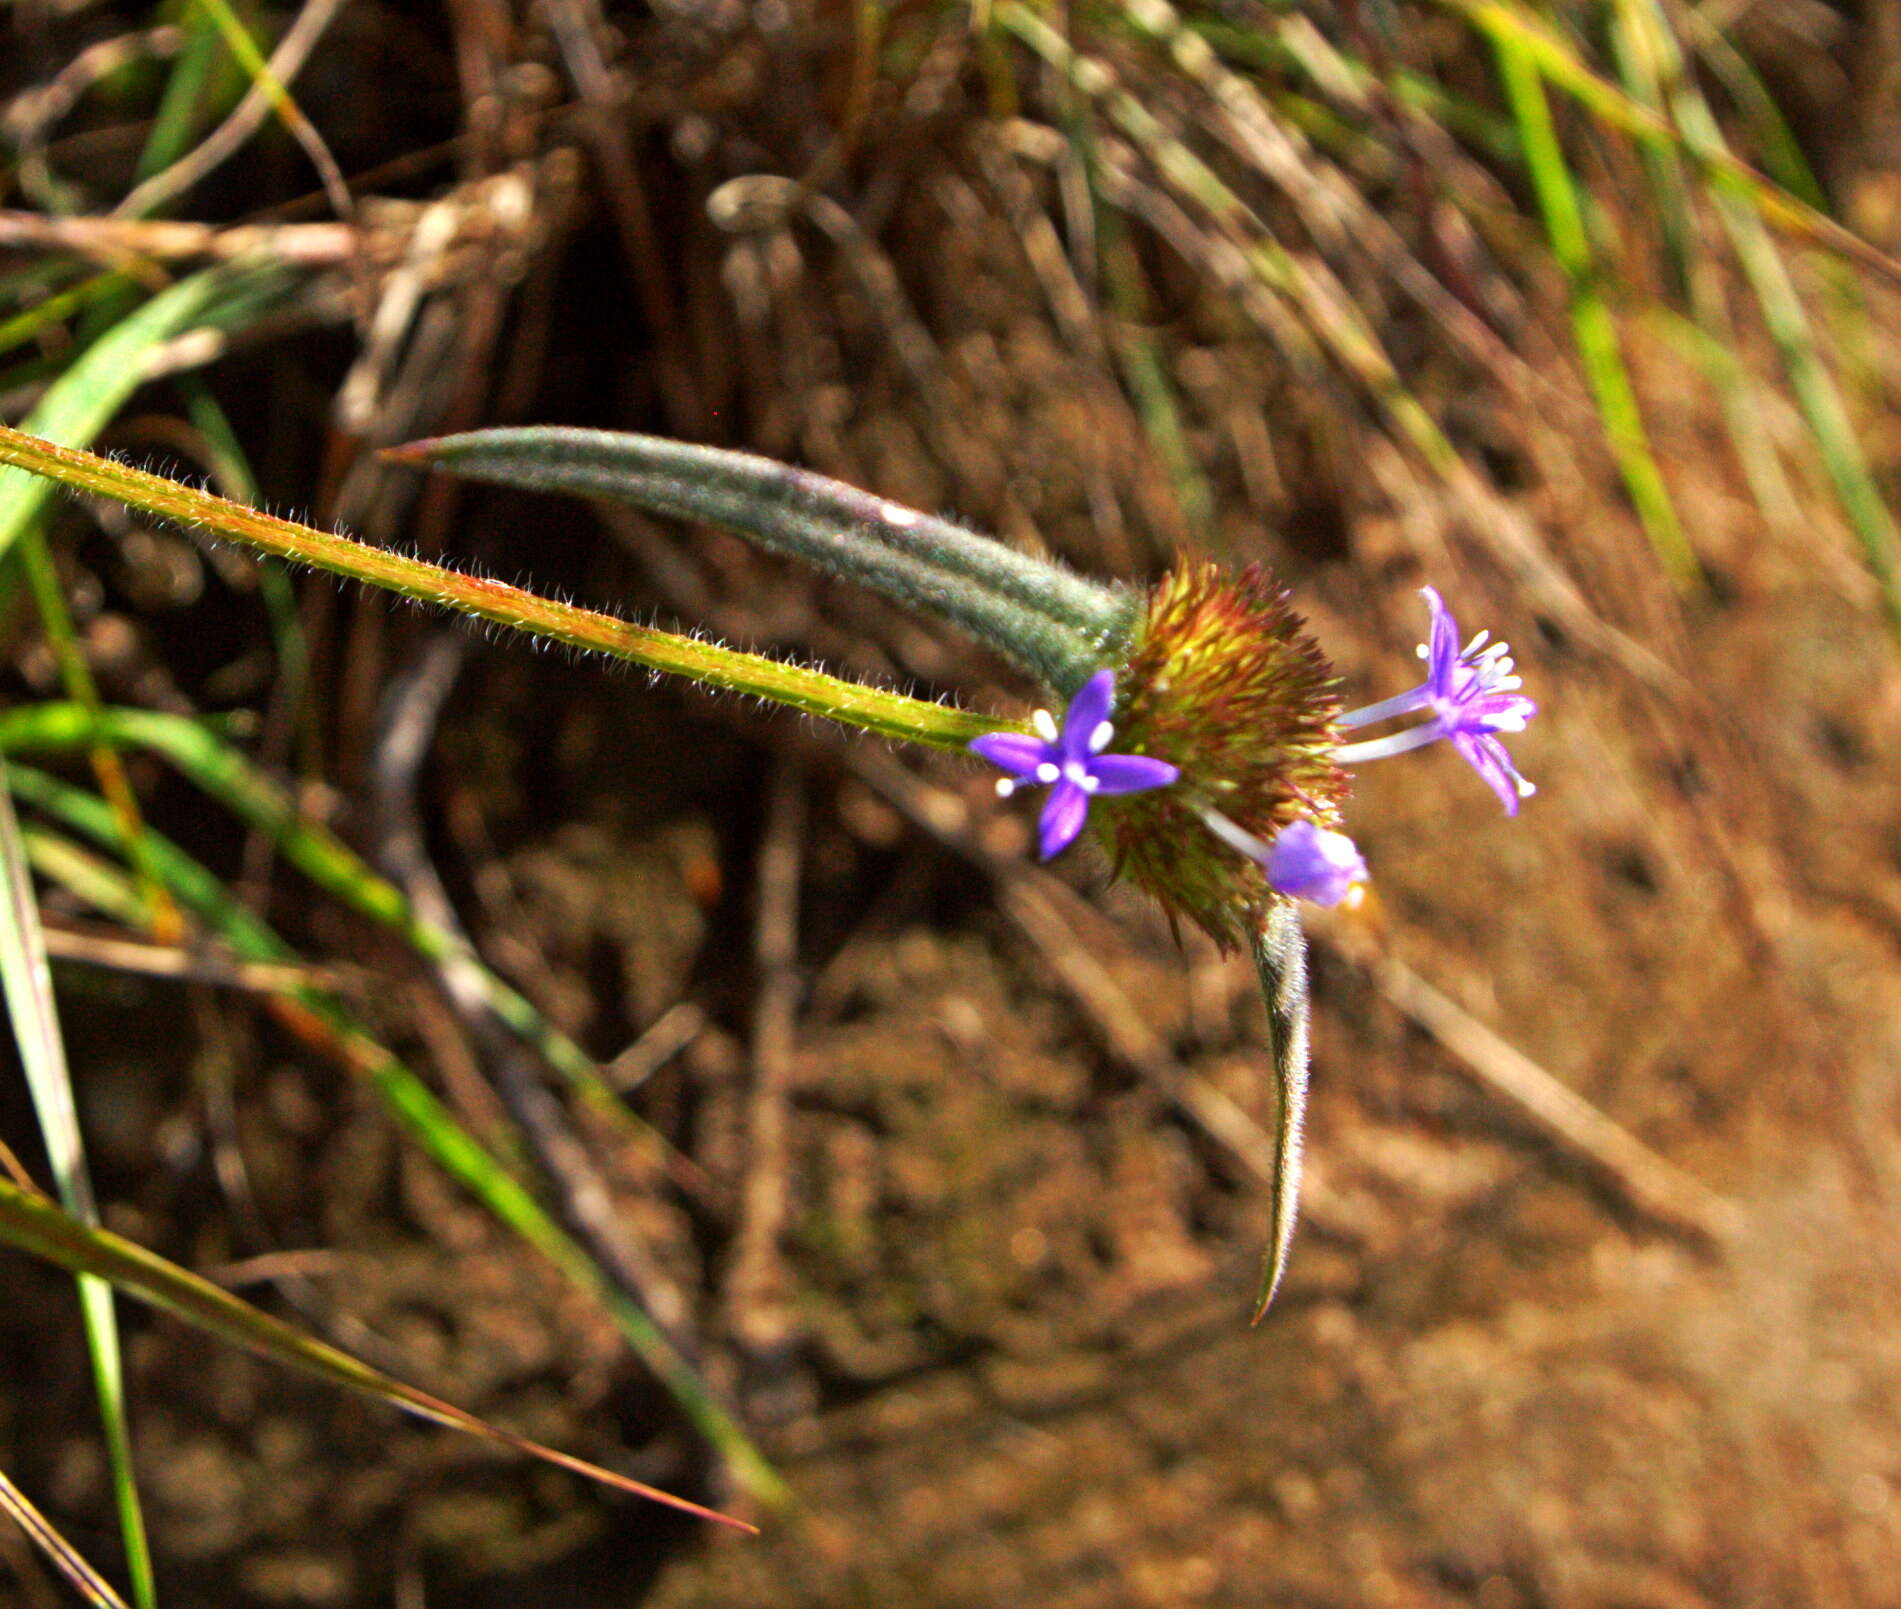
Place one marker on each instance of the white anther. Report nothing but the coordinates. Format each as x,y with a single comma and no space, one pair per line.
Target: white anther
1525,789
1089,784
1476,644
1044,725
1076,771
1005,787
1047,773
1424,651
1099,739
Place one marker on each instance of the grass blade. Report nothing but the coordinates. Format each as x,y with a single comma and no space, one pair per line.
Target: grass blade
227,776
31,1223
1721,170
1815,390
1591,322
319,1015
66,1558
27,982
870,709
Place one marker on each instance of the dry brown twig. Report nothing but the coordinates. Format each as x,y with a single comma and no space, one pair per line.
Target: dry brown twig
230,136
758,1288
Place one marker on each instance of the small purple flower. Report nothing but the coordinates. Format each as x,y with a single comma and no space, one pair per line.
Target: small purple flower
1473,695
1305,860
1070,762
1314,863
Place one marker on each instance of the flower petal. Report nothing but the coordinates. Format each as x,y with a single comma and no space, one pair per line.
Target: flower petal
1310,862
1444,648
1087,711
1062,819
1487,756
1131,773
1015,752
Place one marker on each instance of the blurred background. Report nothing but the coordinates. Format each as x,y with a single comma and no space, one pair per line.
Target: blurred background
946,1175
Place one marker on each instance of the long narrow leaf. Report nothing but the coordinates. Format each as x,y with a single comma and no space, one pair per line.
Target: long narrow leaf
1046,619
27,982
33,1224
1280,954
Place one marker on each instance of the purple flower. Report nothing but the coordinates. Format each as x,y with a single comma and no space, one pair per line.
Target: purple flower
1473,695
1305,860
1070,762
1313,863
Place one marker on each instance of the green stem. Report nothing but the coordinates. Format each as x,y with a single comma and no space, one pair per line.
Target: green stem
869,709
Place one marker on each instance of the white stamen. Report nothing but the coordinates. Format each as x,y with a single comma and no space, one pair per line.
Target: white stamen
1044,725
1005,787
1525,789
1047,773
1099,739
1424,651
1089,783
1476,644
1077,773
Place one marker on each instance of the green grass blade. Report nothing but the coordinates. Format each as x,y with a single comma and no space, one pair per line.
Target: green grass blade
1816,393
66,1558
1502,21
179,108
227,776
24,325
27,981
433,1127
231,470
869,709
1592,325
96,387
31,1223
85,875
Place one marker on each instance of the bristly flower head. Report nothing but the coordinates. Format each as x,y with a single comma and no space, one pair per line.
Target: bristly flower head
1070,762
1224,683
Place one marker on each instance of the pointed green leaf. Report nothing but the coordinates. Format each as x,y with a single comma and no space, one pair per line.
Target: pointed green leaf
1280,952
1056,624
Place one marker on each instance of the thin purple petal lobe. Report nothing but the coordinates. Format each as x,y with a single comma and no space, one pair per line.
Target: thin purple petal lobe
1015,752
1070,761
1063,816
1087,711
1130,773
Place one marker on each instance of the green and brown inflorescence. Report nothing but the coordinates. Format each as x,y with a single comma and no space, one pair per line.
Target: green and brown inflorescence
1225,683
